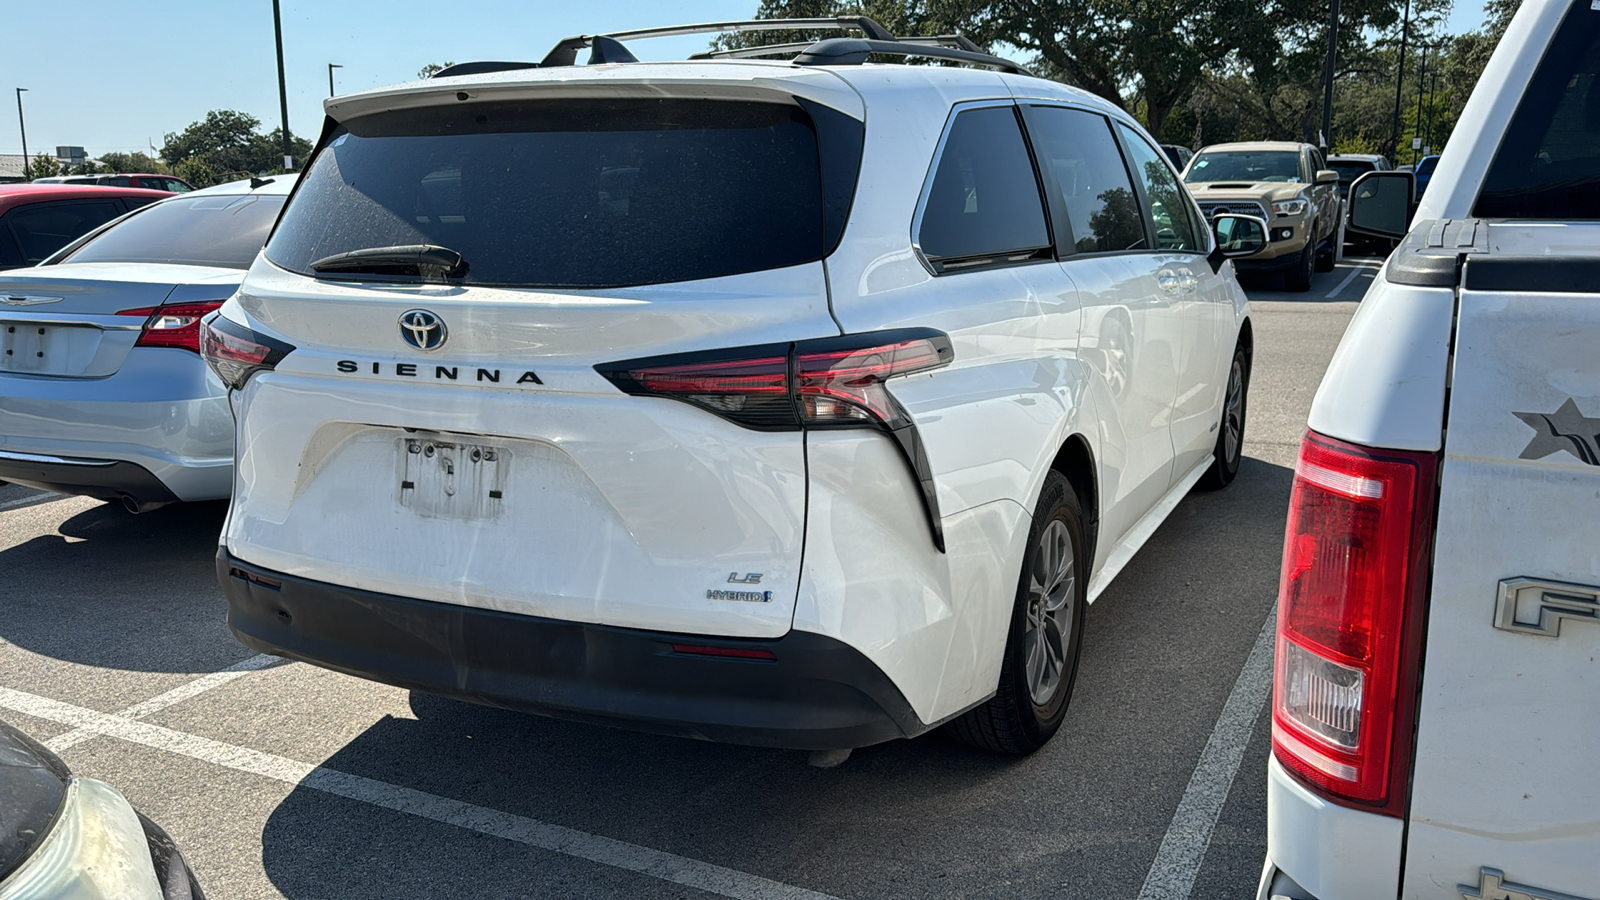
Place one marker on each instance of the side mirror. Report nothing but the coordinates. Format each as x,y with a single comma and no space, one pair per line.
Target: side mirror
1327,176
1381,203
1236,236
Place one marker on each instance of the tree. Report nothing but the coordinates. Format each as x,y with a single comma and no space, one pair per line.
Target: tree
224,138
132,162
42,166
427,71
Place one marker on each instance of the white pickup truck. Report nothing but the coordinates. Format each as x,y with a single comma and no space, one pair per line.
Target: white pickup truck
1436,703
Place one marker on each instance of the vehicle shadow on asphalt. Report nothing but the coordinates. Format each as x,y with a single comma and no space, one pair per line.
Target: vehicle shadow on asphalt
120,591
928,817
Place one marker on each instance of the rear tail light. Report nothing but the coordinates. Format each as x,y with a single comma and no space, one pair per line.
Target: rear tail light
836,382
235,352
172,325
1350,607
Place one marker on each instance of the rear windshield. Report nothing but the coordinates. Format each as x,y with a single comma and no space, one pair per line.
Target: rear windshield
1245,165
225,231
1548,164
1348,171
567,193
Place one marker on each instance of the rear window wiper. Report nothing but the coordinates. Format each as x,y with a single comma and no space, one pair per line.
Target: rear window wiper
425,259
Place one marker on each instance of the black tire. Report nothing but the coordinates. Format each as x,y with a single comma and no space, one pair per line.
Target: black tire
1298,279
1015,720
1229,450
1328,254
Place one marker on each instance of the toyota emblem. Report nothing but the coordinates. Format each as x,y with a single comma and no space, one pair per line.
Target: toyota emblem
422,329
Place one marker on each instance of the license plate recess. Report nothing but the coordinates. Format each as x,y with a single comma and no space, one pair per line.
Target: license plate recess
452,478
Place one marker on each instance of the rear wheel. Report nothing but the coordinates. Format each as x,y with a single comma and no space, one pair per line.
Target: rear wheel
1230,431
1041,657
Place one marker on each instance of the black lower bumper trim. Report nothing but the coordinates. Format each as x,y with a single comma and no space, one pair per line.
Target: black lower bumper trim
103,482
1275,264
814,693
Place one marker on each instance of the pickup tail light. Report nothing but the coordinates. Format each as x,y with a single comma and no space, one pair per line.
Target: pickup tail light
235,352
834,382
172,325
1350,610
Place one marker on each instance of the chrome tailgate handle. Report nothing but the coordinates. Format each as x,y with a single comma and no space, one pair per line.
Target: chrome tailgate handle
1532,606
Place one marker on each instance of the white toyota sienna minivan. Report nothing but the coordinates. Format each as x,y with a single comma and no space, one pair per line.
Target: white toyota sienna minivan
791,402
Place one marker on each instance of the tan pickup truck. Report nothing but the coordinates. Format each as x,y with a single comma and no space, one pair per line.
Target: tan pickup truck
1287,184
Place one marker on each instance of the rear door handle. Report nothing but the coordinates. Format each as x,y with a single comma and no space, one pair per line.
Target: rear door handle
1531,606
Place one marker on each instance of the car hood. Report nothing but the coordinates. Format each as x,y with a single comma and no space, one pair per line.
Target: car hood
1266,191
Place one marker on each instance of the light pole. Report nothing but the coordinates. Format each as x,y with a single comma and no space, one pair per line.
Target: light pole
22,126
331,67
1327,76
283,90
1399,80
1422,81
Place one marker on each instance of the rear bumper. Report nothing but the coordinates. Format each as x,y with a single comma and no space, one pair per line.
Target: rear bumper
99,478
815,693
1318,850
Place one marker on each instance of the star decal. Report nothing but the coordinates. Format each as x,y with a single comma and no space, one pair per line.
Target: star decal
1565,429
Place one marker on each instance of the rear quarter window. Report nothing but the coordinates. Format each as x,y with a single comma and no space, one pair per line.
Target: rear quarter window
570,193
1548,163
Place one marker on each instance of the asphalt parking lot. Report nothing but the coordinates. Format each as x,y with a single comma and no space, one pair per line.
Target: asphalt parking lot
284,780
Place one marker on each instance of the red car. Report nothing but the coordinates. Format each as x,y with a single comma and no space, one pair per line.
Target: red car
138,180
36,220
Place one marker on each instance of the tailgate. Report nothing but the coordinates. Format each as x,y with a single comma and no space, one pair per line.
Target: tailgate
1509,720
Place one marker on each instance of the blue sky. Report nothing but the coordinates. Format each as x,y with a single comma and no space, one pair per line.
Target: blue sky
108,77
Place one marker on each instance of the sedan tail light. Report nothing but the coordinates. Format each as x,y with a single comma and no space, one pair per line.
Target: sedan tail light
1350,610
836,382
235,352
173,325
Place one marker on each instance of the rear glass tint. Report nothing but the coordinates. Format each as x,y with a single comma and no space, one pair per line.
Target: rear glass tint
225,231
569,193
1548,164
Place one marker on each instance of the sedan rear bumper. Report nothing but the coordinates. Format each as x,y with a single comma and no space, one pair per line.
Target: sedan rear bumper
806,692
103,479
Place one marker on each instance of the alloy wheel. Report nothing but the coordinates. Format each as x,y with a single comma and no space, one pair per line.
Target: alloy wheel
1052,590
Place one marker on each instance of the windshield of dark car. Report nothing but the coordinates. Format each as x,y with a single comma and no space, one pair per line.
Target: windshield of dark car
1245,165
1349,170
570,193
226,231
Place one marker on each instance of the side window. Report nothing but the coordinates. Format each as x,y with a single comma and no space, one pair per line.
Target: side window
984,204
1087,170
117,181
176,186
1169,209
10,257
135,202
44,228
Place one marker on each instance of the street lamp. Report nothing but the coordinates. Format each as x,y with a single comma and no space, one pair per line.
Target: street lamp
1399,80
1327,76
23,127
331,67
283,90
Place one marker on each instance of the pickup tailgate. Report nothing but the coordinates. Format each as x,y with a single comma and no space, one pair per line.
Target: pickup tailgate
1506,789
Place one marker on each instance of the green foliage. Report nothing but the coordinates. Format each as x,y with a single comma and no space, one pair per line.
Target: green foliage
427,71
41,166
1355,144
133,162
89,167
227,145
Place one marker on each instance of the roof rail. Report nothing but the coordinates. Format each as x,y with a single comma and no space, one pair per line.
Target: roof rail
854,52
565,52
952,41
608,48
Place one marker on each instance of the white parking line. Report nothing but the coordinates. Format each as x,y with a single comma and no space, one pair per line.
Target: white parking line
530,832
177,695
31,500
1183,849
1356,270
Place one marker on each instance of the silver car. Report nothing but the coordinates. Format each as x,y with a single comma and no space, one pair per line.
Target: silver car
102,388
